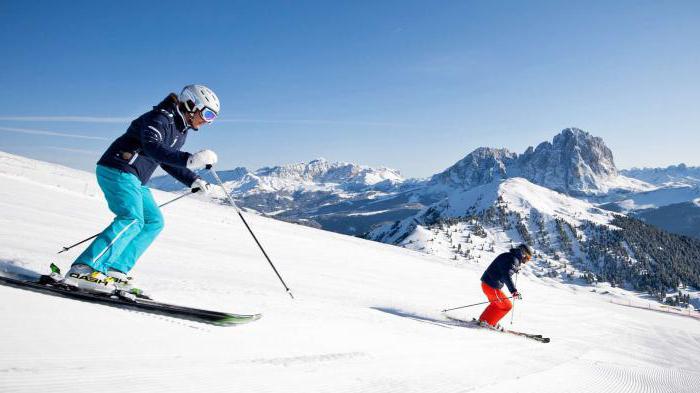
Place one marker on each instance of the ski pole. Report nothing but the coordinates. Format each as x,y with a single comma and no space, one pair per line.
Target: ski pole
230,200
512,314
475,304
66,248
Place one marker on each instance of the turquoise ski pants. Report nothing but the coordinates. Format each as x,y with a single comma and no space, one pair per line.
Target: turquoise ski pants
137,223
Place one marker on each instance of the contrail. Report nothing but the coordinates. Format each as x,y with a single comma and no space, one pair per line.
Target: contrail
51,133
69,119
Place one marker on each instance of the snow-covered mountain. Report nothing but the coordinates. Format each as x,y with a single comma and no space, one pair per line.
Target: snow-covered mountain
314,176
670,205
674,175
645,200
481,166
366,316
570,235
522,198
575,163
352,199
333,195
319,193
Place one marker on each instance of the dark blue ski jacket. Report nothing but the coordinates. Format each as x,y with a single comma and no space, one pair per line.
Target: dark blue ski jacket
153,139
501,270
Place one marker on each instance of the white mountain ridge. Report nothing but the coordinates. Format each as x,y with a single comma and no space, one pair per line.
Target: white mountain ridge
316,175
673,175
353,199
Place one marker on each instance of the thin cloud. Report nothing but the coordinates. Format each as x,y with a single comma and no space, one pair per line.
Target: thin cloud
69,119
123,120
70,150
314,121
51,133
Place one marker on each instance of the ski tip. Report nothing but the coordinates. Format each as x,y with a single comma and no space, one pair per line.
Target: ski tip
235,319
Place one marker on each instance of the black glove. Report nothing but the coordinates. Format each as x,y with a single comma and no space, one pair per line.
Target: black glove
517,295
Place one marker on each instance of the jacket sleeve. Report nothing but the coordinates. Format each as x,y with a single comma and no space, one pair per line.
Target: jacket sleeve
510,269
152,143
183,175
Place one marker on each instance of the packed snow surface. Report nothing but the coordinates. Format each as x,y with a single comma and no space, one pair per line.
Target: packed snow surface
366,318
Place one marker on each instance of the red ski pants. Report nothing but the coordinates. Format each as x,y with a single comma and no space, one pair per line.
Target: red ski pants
498,307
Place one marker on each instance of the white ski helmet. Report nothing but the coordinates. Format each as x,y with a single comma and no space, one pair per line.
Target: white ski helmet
198,97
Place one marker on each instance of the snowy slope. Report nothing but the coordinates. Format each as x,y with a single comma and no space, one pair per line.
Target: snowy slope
574,240
521,197
366,318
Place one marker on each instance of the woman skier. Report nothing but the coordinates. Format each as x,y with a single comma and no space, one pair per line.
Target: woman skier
500,272
153,139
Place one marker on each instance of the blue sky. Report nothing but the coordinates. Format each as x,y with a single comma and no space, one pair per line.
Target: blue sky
413,85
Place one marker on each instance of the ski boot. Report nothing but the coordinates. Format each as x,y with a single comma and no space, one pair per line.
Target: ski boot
485,324
85,278
125,285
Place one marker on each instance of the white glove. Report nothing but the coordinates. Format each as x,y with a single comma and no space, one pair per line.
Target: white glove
204,187
201,159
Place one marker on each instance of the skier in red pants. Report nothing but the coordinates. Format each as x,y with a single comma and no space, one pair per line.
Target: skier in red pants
500,272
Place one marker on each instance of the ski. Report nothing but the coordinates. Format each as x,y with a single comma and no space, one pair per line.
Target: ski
48,285
536,337
475,324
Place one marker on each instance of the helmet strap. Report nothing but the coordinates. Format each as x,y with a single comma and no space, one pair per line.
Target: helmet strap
187,115
190,120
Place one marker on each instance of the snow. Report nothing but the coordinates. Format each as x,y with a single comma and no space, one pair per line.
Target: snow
671,176
368,213
318,175
662,196
522,195
621,182
366,317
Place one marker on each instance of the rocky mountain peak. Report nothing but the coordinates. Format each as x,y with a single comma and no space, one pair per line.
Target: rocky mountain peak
574,162
481,166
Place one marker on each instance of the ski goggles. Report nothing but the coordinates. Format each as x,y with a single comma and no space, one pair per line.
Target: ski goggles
208,115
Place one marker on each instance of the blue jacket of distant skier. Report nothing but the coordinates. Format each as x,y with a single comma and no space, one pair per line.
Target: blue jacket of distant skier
153,139
501,270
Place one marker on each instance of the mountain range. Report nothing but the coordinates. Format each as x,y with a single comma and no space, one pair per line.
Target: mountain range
565,197
674,175
352,199
574,163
